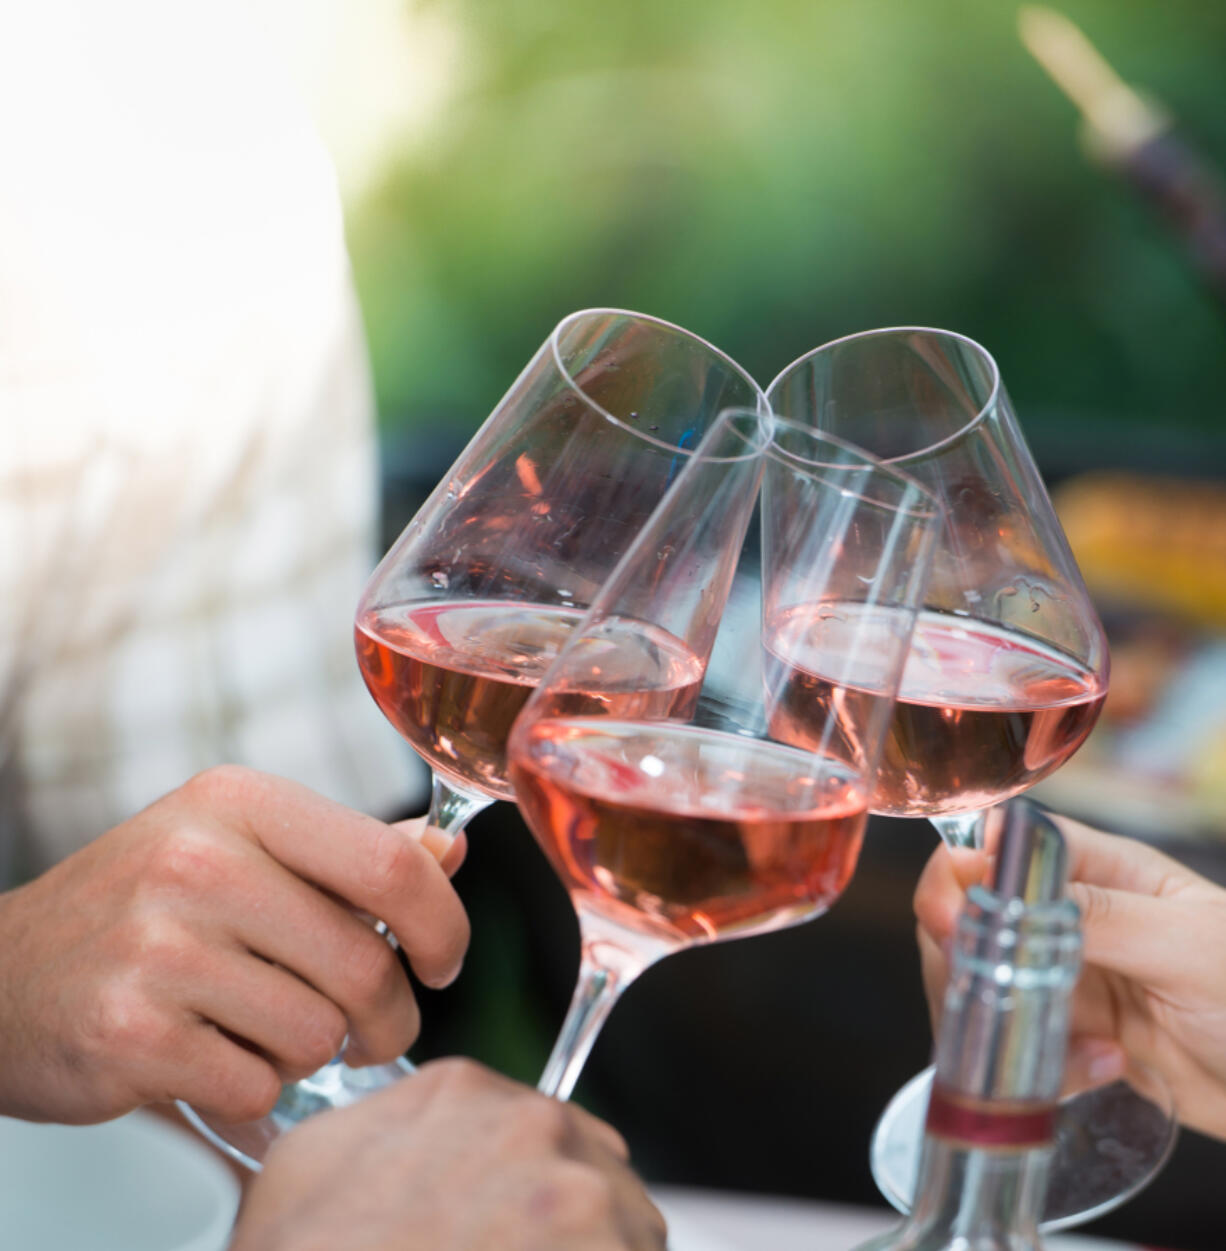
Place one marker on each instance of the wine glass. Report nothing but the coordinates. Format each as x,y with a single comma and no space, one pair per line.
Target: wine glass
470,605
683,818
1008,665
473,600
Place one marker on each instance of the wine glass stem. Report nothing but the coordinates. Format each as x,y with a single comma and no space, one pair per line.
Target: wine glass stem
596,993
961,829
451,808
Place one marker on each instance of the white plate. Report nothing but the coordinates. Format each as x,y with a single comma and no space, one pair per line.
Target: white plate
136,1184
714,1220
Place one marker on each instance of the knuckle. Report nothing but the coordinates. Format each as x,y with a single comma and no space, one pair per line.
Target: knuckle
251,1096
370,969
582,1195
397,865
219,781
396,1034
615,1141
315,1042
537,1120
186,858
155,942
441,947
1095,905
657,1226
455,1075
121,1021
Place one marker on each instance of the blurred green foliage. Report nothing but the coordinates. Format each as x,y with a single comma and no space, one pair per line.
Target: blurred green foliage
775,173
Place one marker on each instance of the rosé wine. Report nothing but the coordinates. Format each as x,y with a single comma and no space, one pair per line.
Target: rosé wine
452,676
687,833
983,712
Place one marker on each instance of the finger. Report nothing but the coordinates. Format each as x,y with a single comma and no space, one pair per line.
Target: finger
341,958
1145,938
1119,863
941,891
595,1139
639,1221
642,1223
375,867
1099,1005
1092,1062
294,1026
601,1204
410,891
448,849
455,854
934,969
221,1079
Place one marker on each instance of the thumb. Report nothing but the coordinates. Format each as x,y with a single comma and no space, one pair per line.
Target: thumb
447,849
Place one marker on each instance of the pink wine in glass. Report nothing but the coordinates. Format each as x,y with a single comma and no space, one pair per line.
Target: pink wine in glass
453,676
687,833
982,714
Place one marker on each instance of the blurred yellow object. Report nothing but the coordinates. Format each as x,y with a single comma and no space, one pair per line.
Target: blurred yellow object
1207,775
1154,542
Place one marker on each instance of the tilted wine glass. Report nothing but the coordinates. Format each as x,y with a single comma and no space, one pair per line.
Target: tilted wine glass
1008,665
471,603
677,816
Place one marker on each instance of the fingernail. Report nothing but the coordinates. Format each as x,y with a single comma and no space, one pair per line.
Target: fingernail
1105,1062
436,842
440,983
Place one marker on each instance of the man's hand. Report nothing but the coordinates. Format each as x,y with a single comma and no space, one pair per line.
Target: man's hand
1154,982
202,951
453,1158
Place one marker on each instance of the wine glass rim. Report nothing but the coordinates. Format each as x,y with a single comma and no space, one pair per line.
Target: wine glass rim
989,403
757,443
657,321
930,507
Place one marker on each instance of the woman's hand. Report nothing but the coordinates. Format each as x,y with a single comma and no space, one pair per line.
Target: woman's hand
1154,982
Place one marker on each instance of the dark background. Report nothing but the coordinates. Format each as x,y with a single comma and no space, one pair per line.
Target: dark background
753,1065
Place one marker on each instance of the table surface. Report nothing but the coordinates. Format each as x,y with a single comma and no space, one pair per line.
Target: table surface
708,1220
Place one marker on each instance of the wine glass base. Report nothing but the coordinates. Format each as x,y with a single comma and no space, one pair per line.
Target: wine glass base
334,1086
1111,1142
